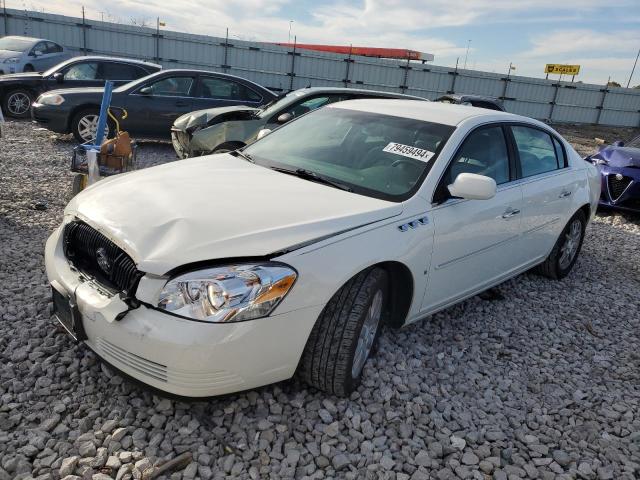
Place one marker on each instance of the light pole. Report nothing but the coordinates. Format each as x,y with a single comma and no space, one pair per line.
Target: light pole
634,68
290,23
466,55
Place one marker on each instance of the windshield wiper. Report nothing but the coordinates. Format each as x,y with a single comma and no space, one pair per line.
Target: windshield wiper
243,155
313,177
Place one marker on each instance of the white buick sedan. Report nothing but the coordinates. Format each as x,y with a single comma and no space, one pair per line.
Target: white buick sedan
223,273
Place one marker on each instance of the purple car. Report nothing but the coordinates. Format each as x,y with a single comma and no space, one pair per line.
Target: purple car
619,166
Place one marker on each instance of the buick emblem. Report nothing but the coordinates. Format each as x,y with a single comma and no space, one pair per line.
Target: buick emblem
103,260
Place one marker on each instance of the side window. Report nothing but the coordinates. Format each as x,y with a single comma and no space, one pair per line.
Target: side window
484,152
53,48
536,150
172,87
119,71
40,47
82,71
227,90
560,154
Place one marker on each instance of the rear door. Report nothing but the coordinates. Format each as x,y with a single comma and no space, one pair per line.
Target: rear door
476,242
212,92
547,183
167,98
120,73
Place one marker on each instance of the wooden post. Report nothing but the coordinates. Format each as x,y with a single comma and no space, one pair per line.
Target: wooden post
84,33
600,107
225,66
293,63
6,19
403,87
553,102
455,74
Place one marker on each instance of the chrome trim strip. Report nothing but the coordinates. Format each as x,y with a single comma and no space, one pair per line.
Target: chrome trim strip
623,192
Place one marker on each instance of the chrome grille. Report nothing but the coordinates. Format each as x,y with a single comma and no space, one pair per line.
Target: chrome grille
617,187
95,255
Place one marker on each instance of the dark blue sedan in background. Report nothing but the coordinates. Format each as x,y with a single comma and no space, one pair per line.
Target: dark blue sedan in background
619,165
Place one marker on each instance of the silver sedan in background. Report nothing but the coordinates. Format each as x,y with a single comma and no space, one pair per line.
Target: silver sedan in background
27,54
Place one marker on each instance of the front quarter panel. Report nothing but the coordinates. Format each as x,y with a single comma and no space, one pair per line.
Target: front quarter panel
207,139
325,266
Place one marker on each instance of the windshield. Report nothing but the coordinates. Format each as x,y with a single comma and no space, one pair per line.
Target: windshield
15,44
273,107
377,155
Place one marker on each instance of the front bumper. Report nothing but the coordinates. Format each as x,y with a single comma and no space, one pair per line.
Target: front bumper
51,117
623,194
183,357
181,140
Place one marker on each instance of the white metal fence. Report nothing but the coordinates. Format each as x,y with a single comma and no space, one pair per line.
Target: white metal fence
283,69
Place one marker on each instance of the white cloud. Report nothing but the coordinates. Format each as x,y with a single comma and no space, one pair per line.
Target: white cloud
567,42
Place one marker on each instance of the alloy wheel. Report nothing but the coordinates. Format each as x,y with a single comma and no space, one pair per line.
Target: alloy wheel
367,334
18,103
87,127
571,243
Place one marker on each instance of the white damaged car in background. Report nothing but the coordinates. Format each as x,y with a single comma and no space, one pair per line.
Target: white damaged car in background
288,256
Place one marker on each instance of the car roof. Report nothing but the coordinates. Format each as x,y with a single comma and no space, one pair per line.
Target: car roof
33,39
116,59
436,112
314,90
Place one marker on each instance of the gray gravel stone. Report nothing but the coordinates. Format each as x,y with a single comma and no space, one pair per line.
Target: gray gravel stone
540,368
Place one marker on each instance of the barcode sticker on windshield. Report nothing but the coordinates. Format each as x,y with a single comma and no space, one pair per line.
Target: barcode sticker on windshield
408,151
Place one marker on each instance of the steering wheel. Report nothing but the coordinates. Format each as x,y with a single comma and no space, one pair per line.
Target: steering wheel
405,161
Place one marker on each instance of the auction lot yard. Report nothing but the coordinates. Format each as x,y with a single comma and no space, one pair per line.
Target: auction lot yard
539,380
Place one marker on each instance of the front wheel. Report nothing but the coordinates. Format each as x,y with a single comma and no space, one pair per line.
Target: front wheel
28,68
565,252
345,334
84,125
17,103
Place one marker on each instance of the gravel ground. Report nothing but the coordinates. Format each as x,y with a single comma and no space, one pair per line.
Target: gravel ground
538,380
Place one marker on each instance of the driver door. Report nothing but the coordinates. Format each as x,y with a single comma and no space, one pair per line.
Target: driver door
476,242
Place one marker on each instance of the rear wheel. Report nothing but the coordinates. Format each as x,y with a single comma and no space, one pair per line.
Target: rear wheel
84,125
565,252
17,103
345,334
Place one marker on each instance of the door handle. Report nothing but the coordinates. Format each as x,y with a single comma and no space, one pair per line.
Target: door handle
565,194
512,212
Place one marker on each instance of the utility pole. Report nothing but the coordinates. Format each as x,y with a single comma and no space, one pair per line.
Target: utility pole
633,69
466,55
4,12
290,23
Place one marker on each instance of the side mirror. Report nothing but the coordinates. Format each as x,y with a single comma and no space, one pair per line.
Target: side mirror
58,77
473,187
618,143
263,133
146,91
284,118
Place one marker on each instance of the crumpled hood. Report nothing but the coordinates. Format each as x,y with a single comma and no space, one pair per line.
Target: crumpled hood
202,117
620,156
217,207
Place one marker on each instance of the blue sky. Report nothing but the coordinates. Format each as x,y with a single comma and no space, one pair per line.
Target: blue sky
603,37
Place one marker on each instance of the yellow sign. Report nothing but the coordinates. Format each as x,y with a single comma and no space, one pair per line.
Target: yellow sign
562,69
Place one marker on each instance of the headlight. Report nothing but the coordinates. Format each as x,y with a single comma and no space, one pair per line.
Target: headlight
12,60
231,293
51,99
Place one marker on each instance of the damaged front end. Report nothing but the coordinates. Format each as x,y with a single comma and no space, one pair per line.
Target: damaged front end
188,141
619,168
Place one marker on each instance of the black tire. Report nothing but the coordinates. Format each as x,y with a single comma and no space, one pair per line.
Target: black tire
552,267
227,147
28,68
78,130
328,357
17,103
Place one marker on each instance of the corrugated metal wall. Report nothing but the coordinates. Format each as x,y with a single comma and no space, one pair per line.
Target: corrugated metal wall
282,69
